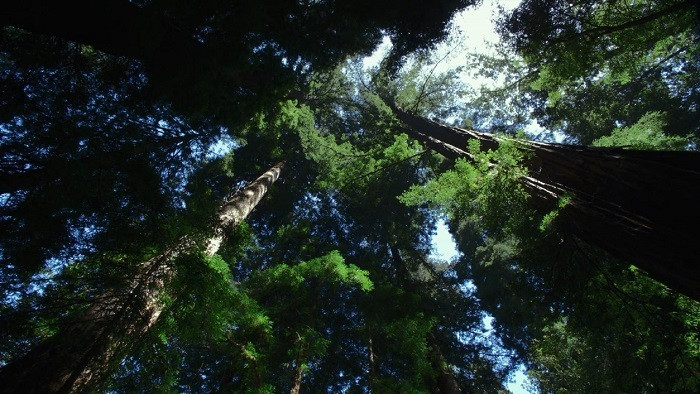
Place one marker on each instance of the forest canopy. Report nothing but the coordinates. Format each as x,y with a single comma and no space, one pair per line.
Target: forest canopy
230,197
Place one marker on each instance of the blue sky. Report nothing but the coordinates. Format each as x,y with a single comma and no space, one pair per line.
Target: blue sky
471,31
444,248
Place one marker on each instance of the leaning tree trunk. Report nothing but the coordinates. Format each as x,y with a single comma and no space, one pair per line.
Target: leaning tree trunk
639,206
81,353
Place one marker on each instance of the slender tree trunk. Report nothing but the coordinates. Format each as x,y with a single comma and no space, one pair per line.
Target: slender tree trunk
372,367
446,382
296,382
639,206
372,359
299,370
81,353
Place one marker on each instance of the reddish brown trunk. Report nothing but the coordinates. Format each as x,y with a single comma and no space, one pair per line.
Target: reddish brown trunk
639,206
82,352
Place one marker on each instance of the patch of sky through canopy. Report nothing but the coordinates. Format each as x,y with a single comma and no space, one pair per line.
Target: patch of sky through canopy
444,248
472,31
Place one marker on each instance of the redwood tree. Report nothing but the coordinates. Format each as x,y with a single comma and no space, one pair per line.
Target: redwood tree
639,206
81,353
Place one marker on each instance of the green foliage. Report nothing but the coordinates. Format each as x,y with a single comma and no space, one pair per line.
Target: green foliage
558,356
207,301
363,173
549,218
646,134
410,332
330,268
423,90
341,165
487,188
583,352
592,66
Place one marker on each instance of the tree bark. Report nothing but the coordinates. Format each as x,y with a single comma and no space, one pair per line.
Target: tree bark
299,369
81,353
296,382
372,359
639,206
446,382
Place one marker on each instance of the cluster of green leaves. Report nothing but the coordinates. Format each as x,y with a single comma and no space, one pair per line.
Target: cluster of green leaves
585,68
345,166
486,187
584,349
646,134
330,268
254,331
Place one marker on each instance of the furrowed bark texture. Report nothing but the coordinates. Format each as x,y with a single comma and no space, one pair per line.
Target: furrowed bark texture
80,355
296,381
639,206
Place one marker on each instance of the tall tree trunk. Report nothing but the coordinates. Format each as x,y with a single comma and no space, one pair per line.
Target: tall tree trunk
299,369
372,359
446,382
639,206
81,353
373,367
296,381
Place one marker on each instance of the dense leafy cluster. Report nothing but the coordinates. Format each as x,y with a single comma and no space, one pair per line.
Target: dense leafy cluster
582,69
120,149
